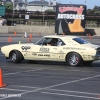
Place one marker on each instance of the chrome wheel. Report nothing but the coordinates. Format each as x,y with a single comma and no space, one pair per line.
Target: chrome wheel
14,57
74,59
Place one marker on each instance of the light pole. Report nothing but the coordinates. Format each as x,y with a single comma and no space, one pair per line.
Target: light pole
13,13
43,13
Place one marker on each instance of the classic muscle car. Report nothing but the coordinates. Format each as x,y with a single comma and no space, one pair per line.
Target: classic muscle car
71,49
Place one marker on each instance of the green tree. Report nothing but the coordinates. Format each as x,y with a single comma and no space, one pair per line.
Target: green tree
9,6
0,4
50,11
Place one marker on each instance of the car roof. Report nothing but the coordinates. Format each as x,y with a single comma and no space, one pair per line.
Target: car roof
62,36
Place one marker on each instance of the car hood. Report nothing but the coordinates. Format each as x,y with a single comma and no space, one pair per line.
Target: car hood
89,45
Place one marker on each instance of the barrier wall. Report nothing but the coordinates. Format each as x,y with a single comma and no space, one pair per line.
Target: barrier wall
37,29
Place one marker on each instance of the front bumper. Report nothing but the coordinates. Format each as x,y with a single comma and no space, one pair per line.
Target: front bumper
96,57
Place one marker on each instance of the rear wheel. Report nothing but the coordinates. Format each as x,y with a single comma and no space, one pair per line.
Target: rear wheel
74,59
16,56
87,62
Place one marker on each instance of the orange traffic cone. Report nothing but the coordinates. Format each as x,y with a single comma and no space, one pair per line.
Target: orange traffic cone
31,36
99,96
14,33
29,39
9,39
1,80
90,37
39,34
63,33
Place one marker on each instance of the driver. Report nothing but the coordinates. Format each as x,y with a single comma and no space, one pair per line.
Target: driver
53,42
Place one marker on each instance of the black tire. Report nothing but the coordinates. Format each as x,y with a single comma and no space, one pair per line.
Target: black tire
74,59
16,56
87,62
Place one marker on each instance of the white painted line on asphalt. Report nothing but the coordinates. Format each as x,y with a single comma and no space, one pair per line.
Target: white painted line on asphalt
77,96
63,69
34,70
12,89
72,70
25,86
64,83
52,90
22,72
73,91
52,86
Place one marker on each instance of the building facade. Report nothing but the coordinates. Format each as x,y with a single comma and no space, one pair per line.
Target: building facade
18,4
41,5
36,5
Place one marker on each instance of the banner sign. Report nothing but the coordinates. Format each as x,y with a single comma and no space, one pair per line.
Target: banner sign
70,19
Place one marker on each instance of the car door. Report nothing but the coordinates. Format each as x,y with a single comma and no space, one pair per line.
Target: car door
37,54
54,52
53,48
43,51
61,52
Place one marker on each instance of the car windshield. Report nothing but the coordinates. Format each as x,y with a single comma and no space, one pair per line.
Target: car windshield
80,40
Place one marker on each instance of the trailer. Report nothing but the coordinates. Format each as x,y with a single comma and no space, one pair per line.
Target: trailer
70,19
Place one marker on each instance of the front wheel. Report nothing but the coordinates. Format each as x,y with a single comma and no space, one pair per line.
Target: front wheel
74,59
16,56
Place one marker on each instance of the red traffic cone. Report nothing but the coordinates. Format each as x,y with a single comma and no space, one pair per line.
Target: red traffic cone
31,36
90,36
29,39
9,39
1,80
63,33
14,33
39,34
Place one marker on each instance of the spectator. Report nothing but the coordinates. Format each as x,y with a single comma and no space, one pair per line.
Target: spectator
3,21
0,21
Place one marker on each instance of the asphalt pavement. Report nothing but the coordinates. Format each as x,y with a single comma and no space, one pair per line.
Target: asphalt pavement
48,80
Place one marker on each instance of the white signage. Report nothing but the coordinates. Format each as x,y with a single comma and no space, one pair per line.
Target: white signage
26,16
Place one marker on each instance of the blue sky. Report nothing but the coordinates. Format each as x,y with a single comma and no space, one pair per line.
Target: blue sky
90,3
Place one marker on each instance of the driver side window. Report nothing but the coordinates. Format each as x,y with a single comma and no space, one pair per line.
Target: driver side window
40,42
44,41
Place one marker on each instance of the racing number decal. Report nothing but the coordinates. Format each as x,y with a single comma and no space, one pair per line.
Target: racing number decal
25,47
44,49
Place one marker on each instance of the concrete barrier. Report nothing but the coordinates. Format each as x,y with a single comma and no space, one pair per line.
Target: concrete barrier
35,29
3,29
31,29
